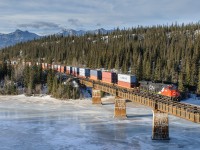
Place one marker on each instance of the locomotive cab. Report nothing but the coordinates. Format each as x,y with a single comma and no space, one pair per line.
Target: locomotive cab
170,91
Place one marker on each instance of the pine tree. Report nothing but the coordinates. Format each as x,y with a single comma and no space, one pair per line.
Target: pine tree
180,83
50,81
198,85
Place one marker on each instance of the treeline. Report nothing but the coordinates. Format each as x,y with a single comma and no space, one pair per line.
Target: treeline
158,53
30,80
59,89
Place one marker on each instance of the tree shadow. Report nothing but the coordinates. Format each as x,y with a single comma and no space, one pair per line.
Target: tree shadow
110,103
138,116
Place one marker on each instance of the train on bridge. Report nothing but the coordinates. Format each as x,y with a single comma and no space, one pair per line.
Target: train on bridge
126,81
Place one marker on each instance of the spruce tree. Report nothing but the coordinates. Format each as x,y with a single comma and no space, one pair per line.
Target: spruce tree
198,85
180,83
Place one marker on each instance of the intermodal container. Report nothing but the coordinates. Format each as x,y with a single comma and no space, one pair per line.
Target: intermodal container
109,77
54,67
49,66
59,68
75,71
69,70
128,81
95,74
84,72
63,69
28,63
43,66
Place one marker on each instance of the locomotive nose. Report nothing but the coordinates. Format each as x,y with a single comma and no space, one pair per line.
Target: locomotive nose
175,93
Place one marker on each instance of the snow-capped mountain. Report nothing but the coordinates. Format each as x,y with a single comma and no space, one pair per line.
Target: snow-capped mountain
23,36
70,32
16,37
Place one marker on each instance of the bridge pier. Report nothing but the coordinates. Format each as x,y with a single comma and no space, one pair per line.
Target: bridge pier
96,96
120,108
160,130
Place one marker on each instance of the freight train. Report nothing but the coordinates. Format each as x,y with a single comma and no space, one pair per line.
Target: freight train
126,81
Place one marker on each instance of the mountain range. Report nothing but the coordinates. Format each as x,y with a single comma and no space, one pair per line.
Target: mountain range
23,36
16,37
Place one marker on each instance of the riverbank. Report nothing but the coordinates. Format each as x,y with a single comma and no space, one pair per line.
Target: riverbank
47,123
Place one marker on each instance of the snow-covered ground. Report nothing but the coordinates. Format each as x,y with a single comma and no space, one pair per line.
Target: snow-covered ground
192,100
35,123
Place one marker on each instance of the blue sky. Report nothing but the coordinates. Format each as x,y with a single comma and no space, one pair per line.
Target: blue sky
51,16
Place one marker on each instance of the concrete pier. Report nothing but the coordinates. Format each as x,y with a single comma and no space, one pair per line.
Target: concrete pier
96,96
160,129
120,108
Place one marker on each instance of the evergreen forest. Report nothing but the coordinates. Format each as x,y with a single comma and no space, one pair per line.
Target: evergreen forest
157,53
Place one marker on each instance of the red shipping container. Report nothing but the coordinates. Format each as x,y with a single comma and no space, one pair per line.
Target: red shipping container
68,71
93,77
82,76
59,67
43,66
109,77
125,84
76,74
107,80
62,69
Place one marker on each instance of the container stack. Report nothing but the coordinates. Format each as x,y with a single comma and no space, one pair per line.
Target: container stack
69,70
84,72
63,69
45,65
127,81
59,68
109,77
49,66
54,67
75,71
95,74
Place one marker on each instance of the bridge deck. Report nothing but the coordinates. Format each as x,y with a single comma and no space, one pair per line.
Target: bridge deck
161,103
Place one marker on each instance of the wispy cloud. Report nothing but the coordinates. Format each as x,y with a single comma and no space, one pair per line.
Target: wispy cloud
39,25
74,22
54,15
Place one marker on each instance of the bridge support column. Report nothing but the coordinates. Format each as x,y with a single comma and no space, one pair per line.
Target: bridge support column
160,130
120,108
96,96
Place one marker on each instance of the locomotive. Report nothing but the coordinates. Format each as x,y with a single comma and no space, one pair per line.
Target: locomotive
169,90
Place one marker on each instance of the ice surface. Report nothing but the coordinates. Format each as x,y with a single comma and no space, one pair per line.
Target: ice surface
34,123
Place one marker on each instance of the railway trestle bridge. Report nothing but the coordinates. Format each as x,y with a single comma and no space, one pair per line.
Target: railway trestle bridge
161,106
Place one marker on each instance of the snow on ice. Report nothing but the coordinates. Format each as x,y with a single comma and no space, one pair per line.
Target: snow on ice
46,123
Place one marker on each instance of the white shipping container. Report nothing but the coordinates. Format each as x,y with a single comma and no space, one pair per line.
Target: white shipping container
55,66
82,71
68,68
127,78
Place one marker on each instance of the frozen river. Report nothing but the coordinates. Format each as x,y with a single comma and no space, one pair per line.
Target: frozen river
43,123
